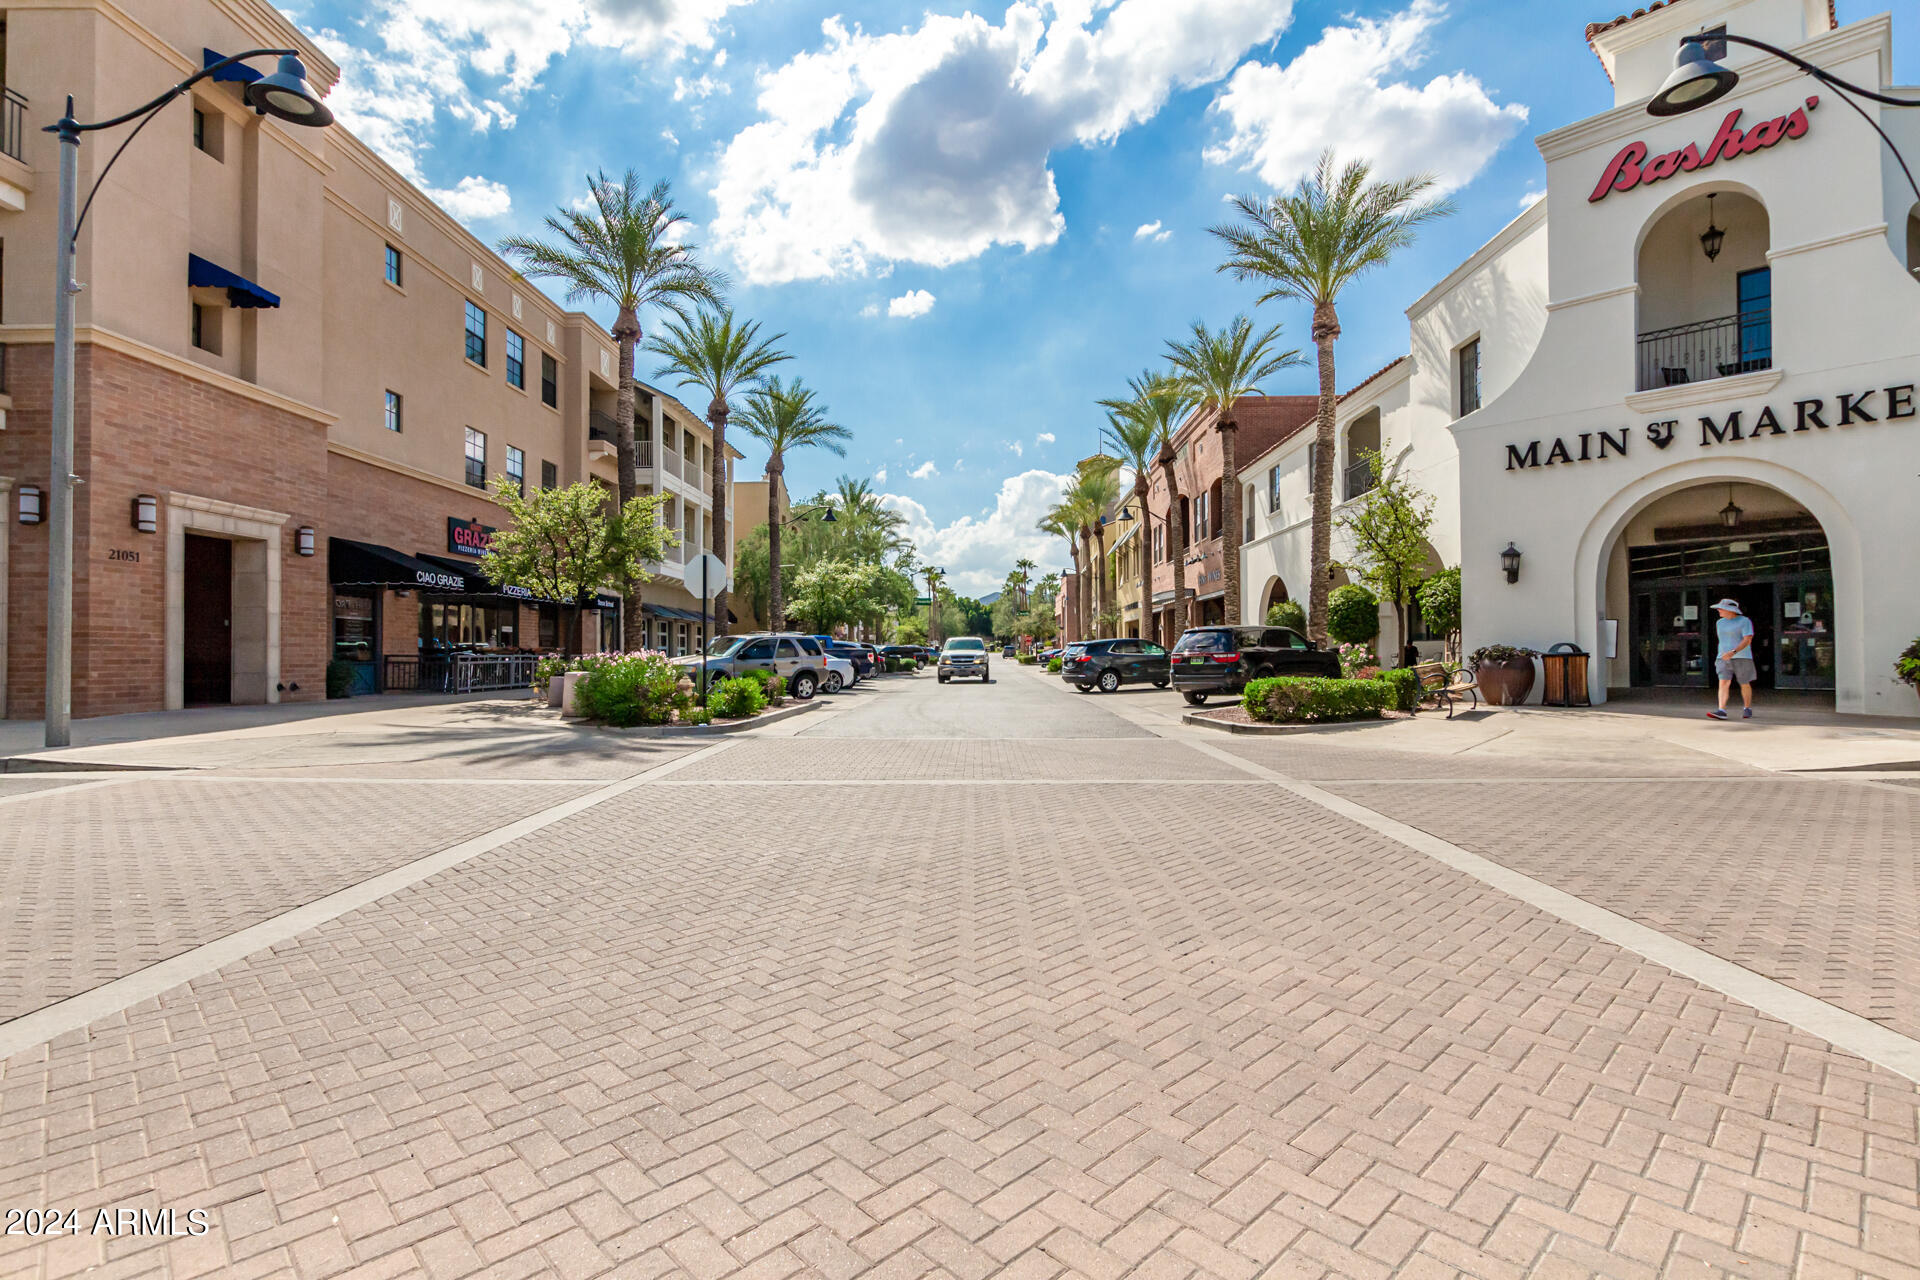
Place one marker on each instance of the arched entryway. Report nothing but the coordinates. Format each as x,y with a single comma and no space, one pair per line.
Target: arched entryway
1706,290
1666,550
1274,593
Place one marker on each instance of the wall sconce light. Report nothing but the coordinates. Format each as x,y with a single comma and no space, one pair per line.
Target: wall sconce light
1712,238
1731,513
29,504
303,539
1510,561
146,513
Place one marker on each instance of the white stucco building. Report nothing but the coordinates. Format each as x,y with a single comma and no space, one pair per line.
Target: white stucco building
1653,425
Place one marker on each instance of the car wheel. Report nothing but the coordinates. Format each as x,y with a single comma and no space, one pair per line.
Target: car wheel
1195,699
1109,681
986,676
1262,673
1162,683
805,685
834,682
942,677
1083,686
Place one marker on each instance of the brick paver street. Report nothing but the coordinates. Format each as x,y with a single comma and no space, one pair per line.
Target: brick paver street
966,981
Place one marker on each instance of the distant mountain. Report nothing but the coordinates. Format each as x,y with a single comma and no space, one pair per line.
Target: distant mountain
988,600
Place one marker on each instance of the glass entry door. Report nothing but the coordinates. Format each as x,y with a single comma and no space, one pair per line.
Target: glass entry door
1671,638
1805,658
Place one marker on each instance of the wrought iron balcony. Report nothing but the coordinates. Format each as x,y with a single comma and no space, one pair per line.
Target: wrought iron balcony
13,122
1718,348
1359,478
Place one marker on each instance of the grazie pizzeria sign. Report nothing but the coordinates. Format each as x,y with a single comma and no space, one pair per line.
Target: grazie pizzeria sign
1631,168
468,537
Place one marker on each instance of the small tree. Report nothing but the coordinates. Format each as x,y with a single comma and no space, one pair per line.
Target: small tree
752,575
1353,615
565,544
1288,613
1388,528
1440,605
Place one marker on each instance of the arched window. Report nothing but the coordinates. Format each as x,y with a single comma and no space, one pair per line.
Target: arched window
1706,292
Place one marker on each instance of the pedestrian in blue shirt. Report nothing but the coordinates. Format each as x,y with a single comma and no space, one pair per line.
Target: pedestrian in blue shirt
1734,657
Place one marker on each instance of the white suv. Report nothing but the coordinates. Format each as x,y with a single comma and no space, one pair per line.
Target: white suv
962,656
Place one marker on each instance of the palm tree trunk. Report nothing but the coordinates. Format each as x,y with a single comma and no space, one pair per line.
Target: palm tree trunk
626,333
1086,583
1176,545
1230,513
776,466
1072,598
717,419
1100,579
1326,328
1147,628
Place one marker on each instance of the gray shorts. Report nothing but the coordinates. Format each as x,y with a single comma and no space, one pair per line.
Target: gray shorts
1737,669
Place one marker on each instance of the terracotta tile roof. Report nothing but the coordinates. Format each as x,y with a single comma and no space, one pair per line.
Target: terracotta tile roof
1377,374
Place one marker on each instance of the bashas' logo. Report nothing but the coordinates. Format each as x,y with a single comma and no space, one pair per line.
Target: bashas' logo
1631,168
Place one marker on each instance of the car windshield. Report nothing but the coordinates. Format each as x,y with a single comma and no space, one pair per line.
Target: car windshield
1205,642
966,644
722,646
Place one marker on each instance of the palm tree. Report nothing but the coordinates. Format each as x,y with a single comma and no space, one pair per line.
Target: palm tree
1307,247
1218,369
784,418
1061,522
710,352
1162,400
1134,439
1099,488
1023,574
621,251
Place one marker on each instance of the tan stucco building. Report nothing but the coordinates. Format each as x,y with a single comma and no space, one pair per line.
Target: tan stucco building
309,368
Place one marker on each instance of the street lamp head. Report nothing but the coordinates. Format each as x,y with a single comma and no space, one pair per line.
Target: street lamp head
1696,81
828,518
286,95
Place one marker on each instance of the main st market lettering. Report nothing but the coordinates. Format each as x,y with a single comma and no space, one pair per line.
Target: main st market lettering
1896,403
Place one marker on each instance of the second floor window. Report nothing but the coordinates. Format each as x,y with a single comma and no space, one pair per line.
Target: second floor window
393,411
1273,490
549,476
476,334
393,265
516,361
549,381
476,458
517,469
1469,377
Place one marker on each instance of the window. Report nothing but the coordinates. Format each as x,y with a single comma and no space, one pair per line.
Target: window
206,328
393,266
549,381
199,129
1248,536
393,411
476,458
207,136
1469,377
446,626
1273,489
549,475
517,469
549,626
476,335
516,361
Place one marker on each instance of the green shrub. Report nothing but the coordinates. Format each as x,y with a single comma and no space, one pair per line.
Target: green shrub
549,669
1907,665
697,715
1297,700
1288,613
1499,653
630,689
1439,598
339,679
1054,665
774,685
1405,685
1353,615
737,698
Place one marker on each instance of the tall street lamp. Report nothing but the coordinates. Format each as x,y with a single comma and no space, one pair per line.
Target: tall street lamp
284,95
1698,81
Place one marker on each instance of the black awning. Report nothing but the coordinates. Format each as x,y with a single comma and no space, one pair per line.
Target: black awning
479,584
241,292
669,611
367,564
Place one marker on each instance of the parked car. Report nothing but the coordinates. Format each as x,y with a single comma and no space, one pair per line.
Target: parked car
1107,664
962,656
904,652
841,673
1009,649
795,657
858,654
1210,660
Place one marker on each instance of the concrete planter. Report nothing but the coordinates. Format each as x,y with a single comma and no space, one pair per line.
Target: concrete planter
568,683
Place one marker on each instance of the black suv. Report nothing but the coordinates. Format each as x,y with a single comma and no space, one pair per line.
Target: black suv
1107,664
1209,660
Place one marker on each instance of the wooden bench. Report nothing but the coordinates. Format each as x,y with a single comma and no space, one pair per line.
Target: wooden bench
1437,684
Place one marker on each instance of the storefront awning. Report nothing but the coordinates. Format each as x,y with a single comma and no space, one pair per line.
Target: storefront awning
479,584
241,292
668,611
367,564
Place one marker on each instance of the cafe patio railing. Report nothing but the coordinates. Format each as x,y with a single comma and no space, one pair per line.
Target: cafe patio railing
460,673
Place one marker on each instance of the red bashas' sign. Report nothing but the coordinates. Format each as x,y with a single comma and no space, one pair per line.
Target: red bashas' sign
1631,168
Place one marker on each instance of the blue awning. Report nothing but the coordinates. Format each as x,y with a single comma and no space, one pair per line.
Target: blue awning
241,292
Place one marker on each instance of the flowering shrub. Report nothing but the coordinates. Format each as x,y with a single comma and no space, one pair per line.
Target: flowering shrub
737,698
628,688
1907,665
1356,657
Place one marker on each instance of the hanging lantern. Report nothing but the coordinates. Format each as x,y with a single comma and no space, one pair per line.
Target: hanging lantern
1731,513
1713,237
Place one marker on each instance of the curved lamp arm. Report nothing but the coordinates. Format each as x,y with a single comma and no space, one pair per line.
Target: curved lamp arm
70,129
1842,87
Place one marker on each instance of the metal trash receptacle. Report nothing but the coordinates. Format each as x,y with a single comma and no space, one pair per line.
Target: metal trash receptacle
1564,672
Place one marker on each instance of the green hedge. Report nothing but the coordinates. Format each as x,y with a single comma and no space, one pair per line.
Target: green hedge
1297,700
1054,665
737,698
638,688
1405,685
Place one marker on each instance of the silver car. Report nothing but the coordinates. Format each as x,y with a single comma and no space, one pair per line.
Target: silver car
794,657
962,656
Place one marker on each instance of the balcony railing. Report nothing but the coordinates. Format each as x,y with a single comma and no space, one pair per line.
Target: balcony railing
13,122
1359,478
1718,348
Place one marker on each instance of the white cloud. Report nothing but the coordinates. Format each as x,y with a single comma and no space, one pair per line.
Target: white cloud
925,471
931,145
1019,450
979,551
1337,93
703,87
1045,437
911,305
1531,198
869,311
959,464
668,135
409,62
880,476
1151,231
472,198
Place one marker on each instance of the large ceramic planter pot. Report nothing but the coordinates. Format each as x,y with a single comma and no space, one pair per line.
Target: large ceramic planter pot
1505,682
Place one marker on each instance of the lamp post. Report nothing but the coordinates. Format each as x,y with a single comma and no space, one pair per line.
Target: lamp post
285,95
1698,81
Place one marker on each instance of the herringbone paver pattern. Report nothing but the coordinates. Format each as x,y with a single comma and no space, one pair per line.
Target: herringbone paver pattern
790,759
21,784
964,1031
95,884
1813,883
1334,756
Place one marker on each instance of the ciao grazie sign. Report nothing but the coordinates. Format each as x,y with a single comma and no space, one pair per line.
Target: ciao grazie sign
1631,168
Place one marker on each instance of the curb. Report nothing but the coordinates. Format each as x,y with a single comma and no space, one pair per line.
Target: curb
54,764
773,716
1227,726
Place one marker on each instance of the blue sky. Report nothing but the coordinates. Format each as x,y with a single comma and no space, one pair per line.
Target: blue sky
972,221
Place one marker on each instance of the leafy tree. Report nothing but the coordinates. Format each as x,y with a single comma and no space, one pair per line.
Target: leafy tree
833,593
1388,528
1218,370
1308,246
1353,615
710,352
785,417
750,573
1439,598
623,250
565,544
1289,614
